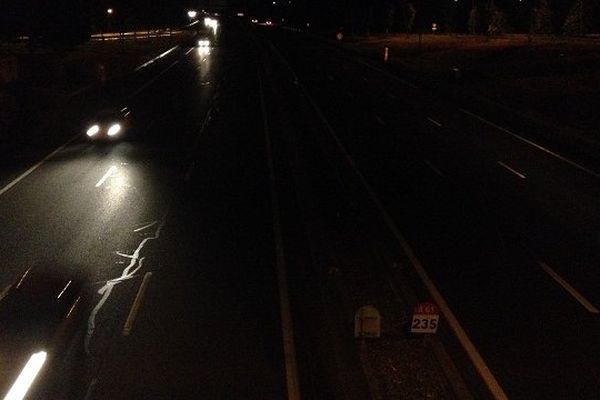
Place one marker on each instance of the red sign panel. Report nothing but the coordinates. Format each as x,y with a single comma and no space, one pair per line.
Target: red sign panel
426,308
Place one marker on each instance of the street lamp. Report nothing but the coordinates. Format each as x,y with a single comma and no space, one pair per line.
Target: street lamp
109,13
192,14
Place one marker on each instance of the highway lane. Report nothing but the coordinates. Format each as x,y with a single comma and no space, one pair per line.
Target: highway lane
193,210
89,187
482,210
208,325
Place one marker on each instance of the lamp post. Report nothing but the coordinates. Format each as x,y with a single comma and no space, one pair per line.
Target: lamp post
109,13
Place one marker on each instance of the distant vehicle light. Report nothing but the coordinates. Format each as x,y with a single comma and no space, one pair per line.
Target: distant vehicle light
21,386
114,129
240,14
255,21
93,130
269,23
211,23
204,43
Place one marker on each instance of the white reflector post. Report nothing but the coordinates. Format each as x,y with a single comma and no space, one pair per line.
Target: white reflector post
21,386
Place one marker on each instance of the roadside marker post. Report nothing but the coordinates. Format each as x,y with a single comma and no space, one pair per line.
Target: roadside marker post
367,323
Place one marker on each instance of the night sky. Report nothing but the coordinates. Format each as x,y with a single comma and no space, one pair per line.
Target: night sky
76,18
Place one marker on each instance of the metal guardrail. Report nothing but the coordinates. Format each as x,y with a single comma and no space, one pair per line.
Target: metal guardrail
134,35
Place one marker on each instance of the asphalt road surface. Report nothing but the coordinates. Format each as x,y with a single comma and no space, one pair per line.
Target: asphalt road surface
183,204
506,228
174,226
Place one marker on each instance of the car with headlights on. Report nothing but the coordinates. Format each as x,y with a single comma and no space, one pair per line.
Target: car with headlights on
40,319
109,124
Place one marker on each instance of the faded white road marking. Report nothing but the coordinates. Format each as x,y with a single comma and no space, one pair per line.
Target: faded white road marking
531,143
433,168
433,121
134,265
572,291
141,228
5,291
144,65
108,173
136,304
514,171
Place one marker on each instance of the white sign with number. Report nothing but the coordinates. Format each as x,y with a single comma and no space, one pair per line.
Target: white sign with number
426,318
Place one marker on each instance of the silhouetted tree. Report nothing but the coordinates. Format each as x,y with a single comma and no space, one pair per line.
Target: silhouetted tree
390,14
580,18
497,23
541,18
412,14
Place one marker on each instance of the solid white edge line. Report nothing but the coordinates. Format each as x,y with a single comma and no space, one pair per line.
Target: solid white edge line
106,175
484,372
136,304
572,291
144,65
34,167
433,121
531,143
289,347
509,168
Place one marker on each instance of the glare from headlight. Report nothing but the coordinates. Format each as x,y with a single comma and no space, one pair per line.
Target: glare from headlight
21,386
113,130
93,130
204,43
